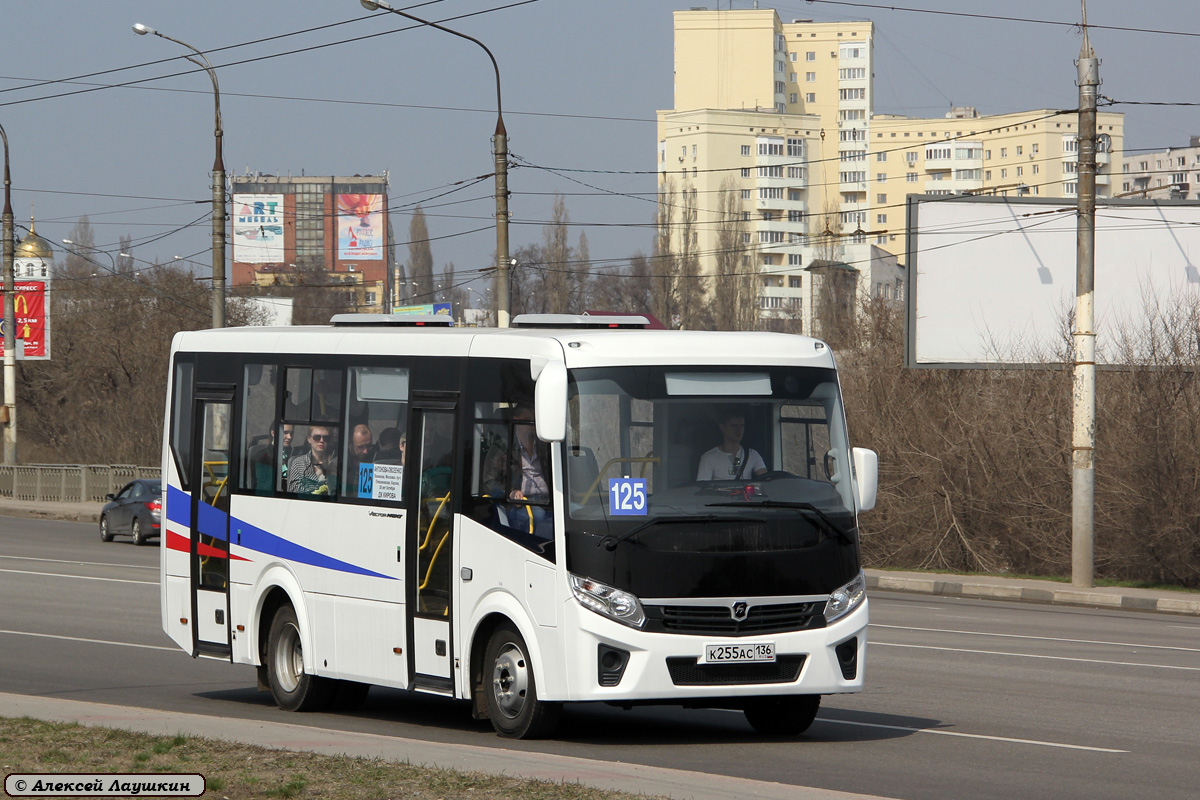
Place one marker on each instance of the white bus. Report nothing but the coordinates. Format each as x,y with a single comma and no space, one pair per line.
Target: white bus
366,503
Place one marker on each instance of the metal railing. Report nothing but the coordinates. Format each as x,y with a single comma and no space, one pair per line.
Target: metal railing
68,483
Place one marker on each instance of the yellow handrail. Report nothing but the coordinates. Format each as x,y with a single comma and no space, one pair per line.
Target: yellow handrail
433,519
209,466
429,569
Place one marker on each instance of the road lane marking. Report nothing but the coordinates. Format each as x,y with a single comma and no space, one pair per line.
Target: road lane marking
89,641
1040,638
1032,655
972,736
77,577
80,563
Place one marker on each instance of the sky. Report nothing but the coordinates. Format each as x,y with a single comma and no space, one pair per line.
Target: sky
581,81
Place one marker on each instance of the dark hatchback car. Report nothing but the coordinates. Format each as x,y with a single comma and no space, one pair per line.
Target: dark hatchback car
135,510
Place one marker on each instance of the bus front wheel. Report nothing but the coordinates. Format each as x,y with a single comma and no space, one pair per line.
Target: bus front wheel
789,715
293,688
510,689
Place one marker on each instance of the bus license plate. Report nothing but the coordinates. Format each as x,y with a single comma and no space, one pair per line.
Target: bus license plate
744,653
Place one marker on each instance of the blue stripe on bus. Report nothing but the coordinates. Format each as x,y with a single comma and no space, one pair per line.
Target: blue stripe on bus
212,523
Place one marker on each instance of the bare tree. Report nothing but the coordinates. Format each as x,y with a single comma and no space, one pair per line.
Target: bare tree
735,290
556,252
420,258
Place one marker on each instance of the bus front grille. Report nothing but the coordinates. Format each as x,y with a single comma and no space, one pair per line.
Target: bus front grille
686,672
717,620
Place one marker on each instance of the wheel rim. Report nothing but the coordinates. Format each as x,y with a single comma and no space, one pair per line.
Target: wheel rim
137,531
510,680
104,527
289,659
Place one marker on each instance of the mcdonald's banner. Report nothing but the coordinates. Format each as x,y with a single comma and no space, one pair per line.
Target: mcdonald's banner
29,307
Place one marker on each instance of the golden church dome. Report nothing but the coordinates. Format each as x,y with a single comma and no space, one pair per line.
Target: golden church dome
34,246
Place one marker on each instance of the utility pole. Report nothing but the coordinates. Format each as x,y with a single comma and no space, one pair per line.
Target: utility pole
9,420
1083,435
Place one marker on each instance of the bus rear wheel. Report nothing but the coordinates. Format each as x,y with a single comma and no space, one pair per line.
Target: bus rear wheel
789,715
511,691
292,687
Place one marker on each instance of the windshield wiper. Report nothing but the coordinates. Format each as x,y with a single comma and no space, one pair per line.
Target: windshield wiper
610,542
826,523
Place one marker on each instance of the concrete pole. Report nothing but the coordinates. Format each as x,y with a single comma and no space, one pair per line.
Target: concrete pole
10,319
503,301
1083,435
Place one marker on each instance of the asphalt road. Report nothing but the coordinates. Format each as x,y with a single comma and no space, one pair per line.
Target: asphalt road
965,698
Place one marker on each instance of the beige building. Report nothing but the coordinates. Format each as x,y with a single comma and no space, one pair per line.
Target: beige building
1173,174
781,113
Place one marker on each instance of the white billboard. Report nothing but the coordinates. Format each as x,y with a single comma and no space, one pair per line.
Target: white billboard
992,279
258,228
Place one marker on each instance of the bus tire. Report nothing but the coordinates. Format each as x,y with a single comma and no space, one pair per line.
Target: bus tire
511,691
788,715
293,688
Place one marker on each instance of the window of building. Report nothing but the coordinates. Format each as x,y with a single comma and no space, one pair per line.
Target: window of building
1004,152
745,172
795,260
881,156
795,148
911,177
810,77
792,97
810,97
881,177
745,149
1018,149
745,194
881,199
810,56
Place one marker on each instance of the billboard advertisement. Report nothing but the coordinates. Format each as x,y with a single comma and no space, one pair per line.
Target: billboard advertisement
29,307
428,309
258,228
360,227
992,279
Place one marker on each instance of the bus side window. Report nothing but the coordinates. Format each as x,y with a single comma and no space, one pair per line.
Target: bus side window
313,405
375,424
259,443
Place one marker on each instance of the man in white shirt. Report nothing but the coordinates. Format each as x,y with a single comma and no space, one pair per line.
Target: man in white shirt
729,461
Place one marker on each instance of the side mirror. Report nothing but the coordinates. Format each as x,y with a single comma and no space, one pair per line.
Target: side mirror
550,402
110,496
866,469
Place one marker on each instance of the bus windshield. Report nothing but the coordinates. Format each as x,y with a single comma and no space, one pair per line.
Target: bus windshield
674,460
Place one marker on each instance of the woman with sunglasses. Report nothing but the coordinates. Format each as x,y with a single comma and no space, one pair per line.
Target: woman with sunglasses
315,472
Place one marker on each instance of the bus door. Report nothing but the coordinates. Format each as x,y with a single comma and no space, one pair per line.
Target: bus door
430,454
210,481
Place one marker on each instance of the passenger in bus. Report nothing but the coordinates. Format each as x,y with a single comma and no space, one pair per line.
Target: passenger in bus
391,448
315,472
358,478
730,461
262,458
363,444
522,480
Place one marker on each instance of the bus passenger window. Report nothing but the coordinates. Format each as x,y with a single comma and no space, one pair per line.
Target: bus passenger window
376,420
259,430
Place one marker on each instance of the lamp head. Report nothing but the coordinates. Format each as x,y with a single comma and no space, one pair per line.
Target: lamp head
67,241
142,30
371,5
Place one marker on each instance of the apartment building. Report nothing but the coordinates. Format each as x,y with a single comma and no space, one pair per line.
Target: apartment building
786,109
1172,174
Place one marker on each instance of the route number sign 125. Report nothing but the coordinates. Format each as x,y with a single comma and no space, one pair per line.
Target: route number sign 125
627,497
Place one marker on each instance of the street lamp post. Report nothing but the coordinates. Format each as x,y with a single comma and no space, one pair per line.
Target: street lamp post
10,320
218,181
500,152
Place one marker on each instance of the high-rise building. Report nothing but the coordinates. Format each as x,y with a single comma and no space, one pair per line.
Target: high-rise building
782,114
287,228
1172,174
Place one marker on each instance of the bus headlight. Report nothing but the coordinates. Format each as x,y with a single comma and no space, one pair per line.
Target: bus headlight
849,597
604,599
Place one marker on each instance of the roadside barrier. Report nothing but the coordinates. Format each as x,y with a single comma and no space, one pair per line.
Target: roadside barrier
68,483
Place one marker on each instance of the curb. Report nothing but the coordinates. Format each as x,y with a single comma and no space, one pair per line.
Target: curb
1019,592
